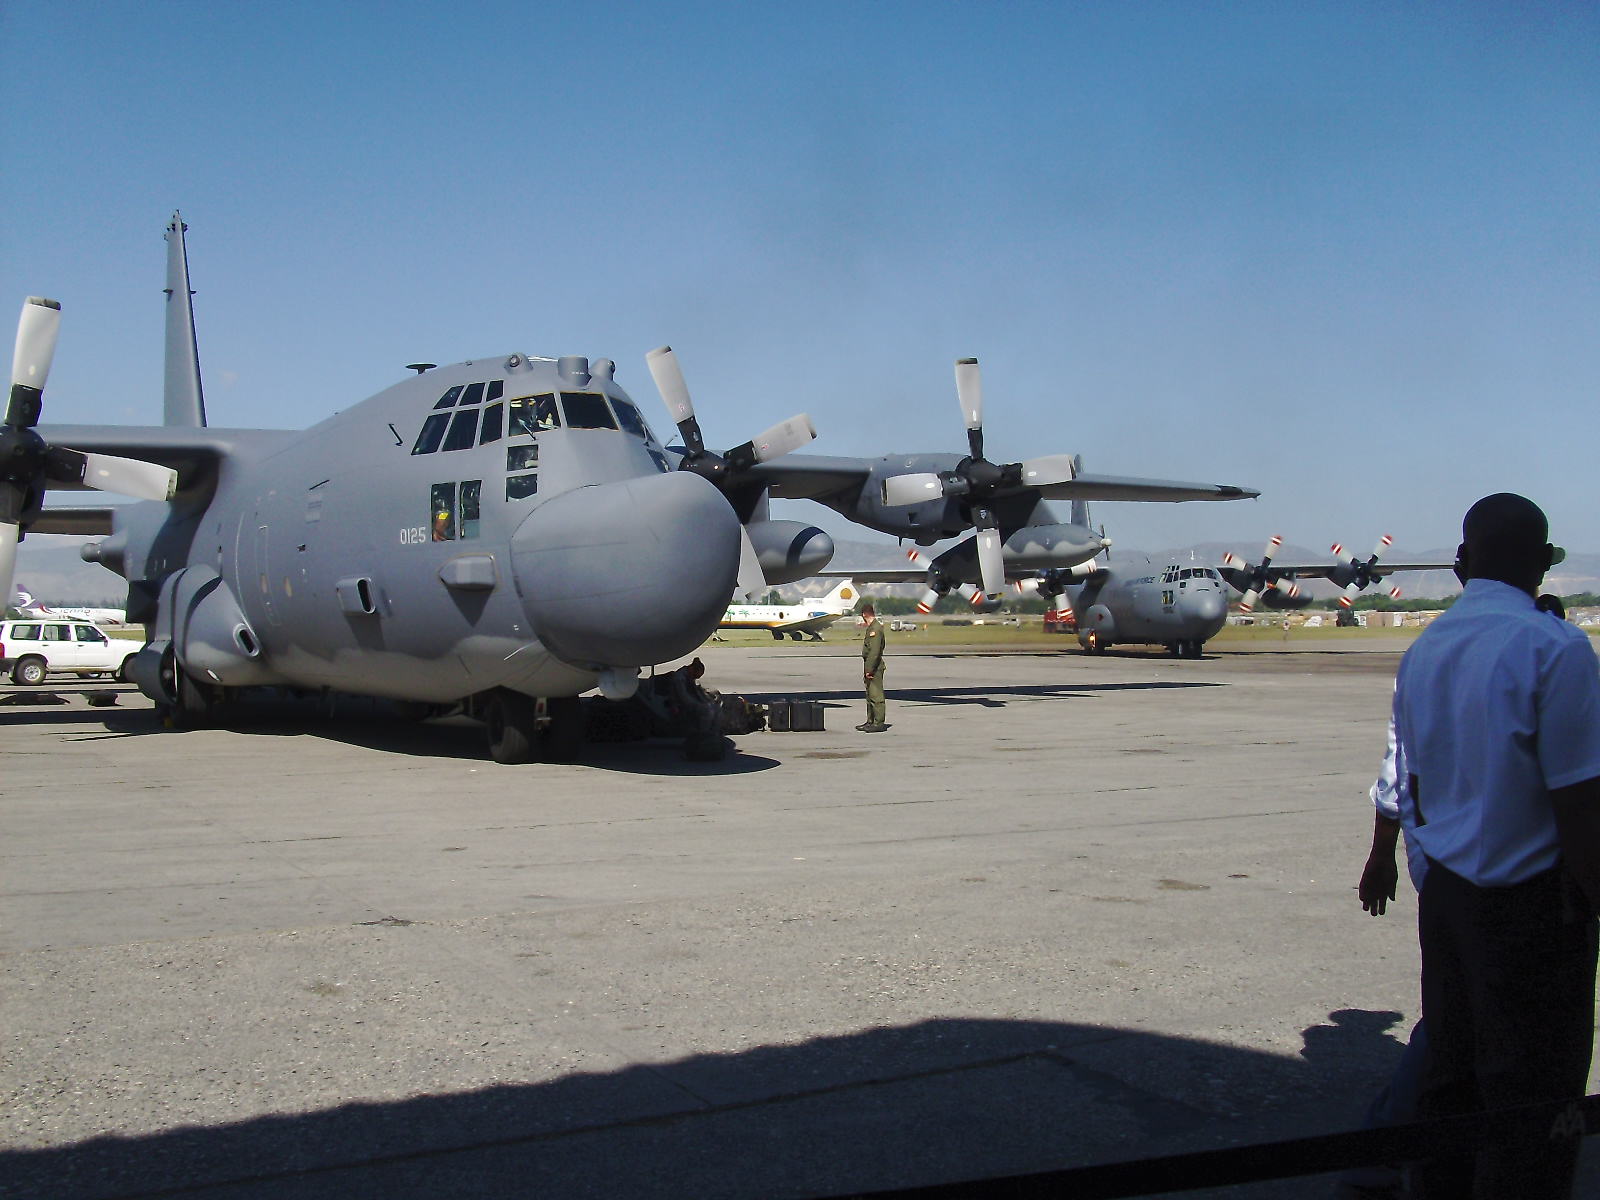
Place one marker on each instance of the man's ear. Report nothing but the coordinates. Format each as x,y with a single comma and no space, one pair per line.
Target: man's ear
1549,556
1461,562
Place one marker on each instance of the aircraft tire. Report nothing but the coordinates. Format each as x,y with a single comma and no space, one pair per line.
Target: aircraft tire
125,671
509,719
563,739
195,702
29,672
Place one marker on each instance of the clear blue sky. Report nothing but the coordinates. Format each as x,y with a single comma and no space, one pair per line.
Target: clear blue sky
1344,253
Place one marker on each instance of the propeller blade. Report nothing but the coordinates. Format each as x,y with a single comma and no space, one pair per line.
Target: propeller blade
969,390
782,438
911,489
928,600
1348,596
1273,543
1383,544
1032,586
8,560
1047,470
1395,593
37,329
752,580
1340,553
664,369
1247,603
129,477
991,561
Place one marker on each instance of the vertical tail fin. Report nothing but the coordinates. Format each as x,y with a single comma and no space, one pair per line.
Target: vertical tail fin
1080,508
184,403
844,596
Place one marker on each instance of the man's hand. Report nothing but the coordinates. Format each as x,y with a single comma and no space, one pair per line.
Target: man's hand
867,675
1378,880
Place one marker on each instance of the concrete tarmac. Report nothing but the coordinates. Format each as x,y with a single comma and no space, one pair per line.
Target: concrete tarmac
1068,910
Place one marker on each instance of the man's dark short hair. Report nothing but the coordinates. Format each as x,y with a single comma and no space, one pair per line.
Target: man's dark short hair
868,609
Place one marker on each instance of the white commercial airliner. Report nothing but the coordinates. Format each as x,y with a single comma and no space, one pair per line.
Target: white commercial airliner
810,616
24,601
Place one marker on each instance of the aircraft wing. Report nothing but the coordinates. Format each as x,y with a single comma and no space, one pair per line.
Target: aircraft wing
1326,570
92,522
812,476
1124,487
192,452
876,574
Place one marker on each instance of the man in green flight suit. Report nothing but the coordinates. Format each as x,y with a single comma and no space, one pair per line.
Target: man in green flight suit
872,670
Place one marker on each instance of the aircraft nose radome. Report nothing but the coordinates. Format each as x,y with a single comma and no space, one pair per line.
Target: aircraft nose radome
1206,606
628,574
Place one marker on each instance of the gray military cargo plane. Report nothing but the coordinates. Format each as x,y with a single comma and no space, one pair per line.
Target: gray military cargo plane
502,534
1182,605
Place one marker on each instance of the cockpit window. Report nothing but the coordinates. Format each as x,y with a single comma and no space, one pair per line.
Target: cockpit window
442,512
1186,573
432,434
587,410
532,414
463,429
630,420
474,395
497,388
658,458
493,417
522,458
449,399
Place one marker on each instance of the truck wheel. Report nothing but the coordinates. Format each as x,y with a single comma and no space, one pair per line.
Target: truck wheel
29,672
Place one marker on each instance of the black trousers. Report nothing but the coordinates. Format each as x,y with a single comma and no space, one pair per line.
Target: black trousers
1508,986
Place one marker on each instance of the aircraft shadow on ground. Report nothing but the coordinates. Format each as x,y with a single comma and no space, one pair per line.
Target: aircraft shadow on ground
373,725
987,697
941,1100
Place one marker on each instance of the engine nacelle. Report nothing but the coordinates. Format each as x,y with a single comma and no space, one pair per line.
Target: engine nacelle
1037,547
789,550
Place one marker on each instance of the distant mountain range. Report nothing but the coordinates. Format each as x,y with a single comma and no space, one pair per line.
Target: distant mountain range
51,569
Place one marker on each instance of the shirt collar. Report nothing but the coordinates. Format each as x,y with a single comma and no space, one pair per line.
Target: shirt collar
1500,595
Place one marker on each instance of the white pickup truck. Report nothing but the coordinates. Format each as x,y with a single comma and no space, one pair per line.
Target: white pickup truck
31,648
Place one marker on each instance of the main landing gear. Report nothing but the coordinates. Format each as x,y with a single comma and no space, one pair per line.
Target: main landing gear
1186,648
523,729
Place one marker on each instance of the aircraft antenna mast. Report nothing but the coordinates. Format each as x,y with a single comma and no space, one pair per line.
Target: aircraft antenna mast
184,402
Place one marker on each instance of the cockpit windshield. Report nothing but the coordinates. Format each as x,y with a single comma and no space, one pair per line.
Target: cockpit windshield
532,414
587,410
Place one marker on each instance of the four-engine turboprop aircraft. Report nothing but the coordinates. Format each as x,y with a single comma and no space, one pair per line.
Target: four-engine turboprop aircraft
1182,605
810,616
502,534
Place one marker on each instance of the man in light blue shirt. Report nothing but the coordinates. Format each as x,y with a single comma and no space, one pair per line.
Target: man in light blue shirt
1497,722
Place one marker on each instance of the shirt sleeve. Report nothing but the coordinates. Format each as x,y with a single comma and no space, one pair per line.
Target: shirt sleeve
1569,715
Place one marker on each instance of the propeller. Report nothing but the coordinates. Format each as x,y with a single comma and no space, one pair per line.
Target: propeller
1253,580
29,465
721,469
1050,584
978,482
1361,572
724,471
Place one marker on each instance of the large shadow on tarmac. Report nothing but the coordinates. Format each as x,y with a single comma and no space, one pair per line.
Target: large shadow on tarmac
374,725
996,696
937,1101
